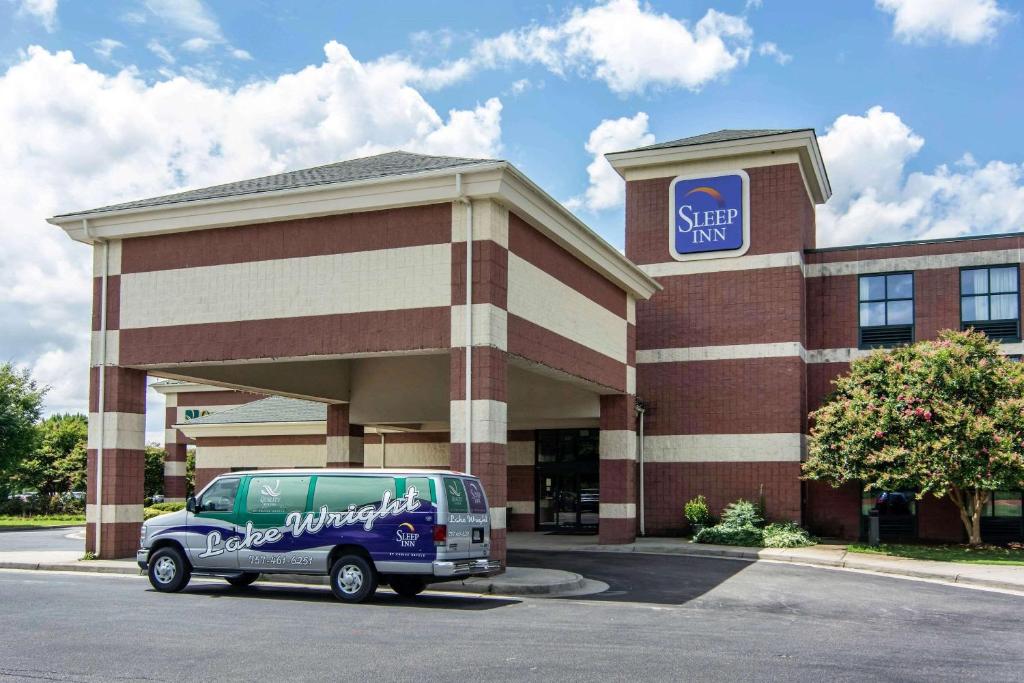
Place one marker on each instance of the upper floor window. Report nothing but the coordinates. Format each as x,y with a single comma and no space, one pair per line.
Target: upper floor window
990,301
886,310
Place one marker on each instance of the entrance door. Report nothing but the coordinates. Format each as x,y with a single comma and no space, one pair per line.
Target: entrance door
567,480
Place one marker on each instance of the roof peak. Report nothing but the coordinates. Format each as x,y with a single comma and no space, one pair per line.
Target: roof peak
722,135
393,163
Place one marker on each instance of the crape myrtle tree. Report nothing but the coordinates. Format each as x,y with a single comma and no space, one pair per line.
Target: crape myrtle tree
943,418
21,404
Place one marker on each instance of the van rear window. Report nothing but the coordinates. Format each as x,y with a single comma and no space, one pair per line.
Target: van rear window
455,494
477,501
337,493
277,494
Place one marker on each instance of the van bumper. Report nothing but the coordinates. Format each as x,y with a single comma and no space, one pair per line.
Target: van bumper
142,558
482,567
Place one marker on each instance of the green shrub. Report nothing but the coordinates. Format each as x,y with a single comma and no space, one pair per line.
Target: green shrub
168,507
696,511
161,509
786,535
742,513
725,534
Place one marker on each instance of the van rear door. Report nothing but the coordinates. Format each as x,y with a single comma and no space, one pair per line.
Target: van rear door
468,523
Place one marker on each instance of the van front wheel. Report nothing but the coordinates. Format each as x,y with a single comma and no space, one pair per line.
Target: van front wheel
353,579
407,586
168,571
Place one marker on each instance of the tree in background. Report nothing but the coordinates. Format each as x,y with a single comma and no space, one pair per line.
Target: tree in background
154,482
21,401
944,418
190,471
58,462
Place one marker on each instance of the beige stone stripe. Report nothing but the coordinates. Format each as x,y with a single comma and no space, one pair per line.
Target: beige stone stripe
490,421
113,514
120,430
617,510
617,444
311,455
521,452
961,260
355,282
546,301
700,267
406,454
788,447
724,352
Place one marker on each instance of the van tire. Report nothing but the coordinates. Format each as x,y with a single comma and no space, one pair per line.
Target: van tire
407,586
168,571
244,579
353,579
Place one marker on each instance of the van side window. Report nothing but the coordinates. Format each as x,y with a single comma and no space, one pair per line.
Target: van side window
423,486
277,494
456,495
337,493
220,497
476,496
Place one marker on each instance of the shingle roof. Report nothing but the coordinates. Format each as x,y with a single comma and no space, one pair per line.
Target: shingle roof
725,135
272,409
378,166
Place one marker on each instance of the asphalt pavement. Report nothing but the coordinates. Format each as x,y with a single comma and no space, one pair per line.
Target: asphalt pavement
663,618
48,539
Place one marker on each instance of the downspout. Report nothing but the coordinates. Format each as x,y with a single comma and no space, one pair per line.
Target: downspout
469,321
101,407
640,410
383,453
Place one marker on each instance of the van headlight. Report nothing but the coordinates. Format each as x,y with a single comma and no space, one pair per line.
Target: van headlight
142,535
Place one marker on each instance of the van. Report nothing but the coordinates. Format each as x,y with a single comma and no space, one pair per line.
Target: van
361,527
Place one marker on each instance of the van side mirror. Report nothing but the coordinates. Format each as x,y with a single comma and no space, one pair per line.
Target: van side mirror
190,504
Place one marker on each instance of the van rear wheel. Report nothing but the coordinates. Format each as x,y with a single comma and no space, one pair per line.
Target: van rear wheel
242,580
407,586
168,571
353,579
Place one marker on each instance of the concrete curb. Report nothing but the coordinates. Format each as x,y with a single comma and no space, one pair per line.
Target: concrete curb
515,581
845,561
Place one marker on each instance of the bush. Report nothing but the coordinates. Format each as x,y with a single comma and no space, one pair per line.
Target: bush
696,511
724,534
742,513
161,509
786,535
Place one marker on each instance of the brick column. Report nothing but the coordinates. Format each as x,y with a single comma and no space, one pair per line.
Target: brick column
489,450
176,449
344,440
521,480
618,469
489,340
118,509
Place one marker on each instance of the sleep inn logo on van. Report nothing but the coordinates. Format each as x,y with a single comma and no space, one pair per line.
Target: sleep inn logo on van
710,216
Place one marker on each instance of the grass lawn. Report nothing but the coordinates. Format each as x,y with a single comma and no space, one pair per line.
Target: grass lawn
8,521
987,554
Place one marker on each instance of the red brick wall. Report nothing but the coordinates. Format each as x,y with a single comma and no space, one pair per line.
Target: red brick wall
667,487
832,512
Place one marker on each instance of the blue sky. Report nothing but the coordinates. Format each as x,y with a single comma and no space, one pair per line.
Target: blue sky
917,103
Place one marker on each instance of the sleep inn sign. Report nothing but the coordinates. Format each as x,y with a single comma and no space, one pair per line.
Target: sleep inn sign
709,216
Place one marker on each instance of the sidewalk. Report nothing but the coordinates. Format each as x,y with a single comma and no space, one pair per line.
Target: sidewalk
514,580
1002,577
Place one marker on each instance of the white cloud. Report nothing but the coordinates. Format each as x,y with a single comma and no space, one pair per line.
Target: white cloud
875,200
628,46
105,47
190,16
160,51
753,4
772,50
197,44
239,53
520,86
606,189
960,21
78,138
43,10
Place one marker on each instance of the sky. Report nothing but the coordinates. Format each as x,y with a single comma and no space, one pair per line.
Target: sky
917,105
